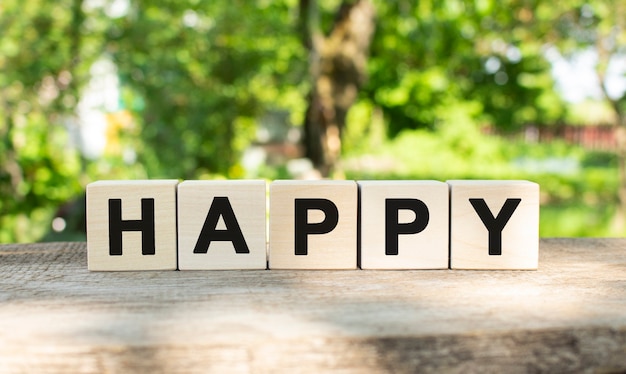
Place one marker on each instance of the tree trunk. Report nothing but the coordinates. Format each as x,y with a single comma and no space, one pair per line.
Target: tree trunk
337,67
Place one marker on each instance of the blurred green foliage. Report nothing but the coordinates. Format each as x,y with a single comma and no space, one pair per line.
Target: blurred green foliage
196,77
206,70
578,187
430,56
41,65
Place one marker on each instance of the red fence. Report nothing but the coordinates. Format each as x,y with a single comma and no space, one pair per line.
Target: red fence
598,137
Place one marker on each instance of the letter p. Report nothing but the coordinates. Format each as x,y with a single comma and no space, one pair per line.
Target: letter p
304,228
393,227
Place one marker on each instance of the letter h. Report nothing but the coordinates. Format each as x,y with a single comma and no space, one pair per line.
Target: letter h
145,225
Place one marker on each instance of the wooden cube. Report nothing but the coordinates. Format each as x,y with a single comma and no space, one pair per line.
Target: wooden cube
221,225
404,224
494,224
131,225
313,225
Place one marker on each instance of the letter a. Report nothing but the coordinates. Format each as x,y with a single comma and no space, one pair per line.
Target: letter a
221,207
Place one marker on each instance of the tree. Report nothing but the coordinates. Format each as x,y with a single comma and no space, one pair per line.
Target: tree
420,60
337,64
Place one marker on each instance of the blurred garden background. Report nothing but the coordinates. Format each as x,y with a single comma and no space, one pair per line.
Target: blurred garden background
361,89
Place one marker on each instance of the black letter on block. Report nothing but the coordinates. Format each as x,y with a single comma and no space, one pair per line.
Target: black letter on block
393,228
117,226
221,207
302,226
495,225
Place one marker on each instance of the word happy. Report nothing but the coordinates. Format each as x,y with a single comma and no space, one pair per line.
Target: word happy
226,225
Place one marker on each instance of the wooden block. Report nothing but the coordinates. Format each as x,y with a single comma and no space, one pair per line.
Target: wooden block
404,224
494,224
313,225
131,225
221,225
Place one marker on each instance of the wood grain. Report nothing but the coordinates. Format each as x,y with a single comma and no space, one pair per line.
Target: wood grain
336,249
469,236
568,316
246,199
131,193
426,249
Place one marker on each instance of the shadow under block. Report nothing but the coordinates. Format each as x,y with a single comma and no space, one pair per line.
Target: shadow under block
404,224
221,225
494,224
313,225
131,225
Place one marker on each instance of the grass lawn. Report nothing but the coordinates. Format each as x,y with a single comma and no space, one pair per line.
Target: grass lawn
578,187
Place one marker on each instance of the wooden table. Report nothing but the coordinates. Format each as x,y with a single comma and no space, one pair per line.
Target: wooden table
569,316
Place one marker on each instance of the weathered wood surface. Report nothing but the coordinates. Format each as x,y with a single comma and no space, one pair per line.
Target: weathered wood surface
569,316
